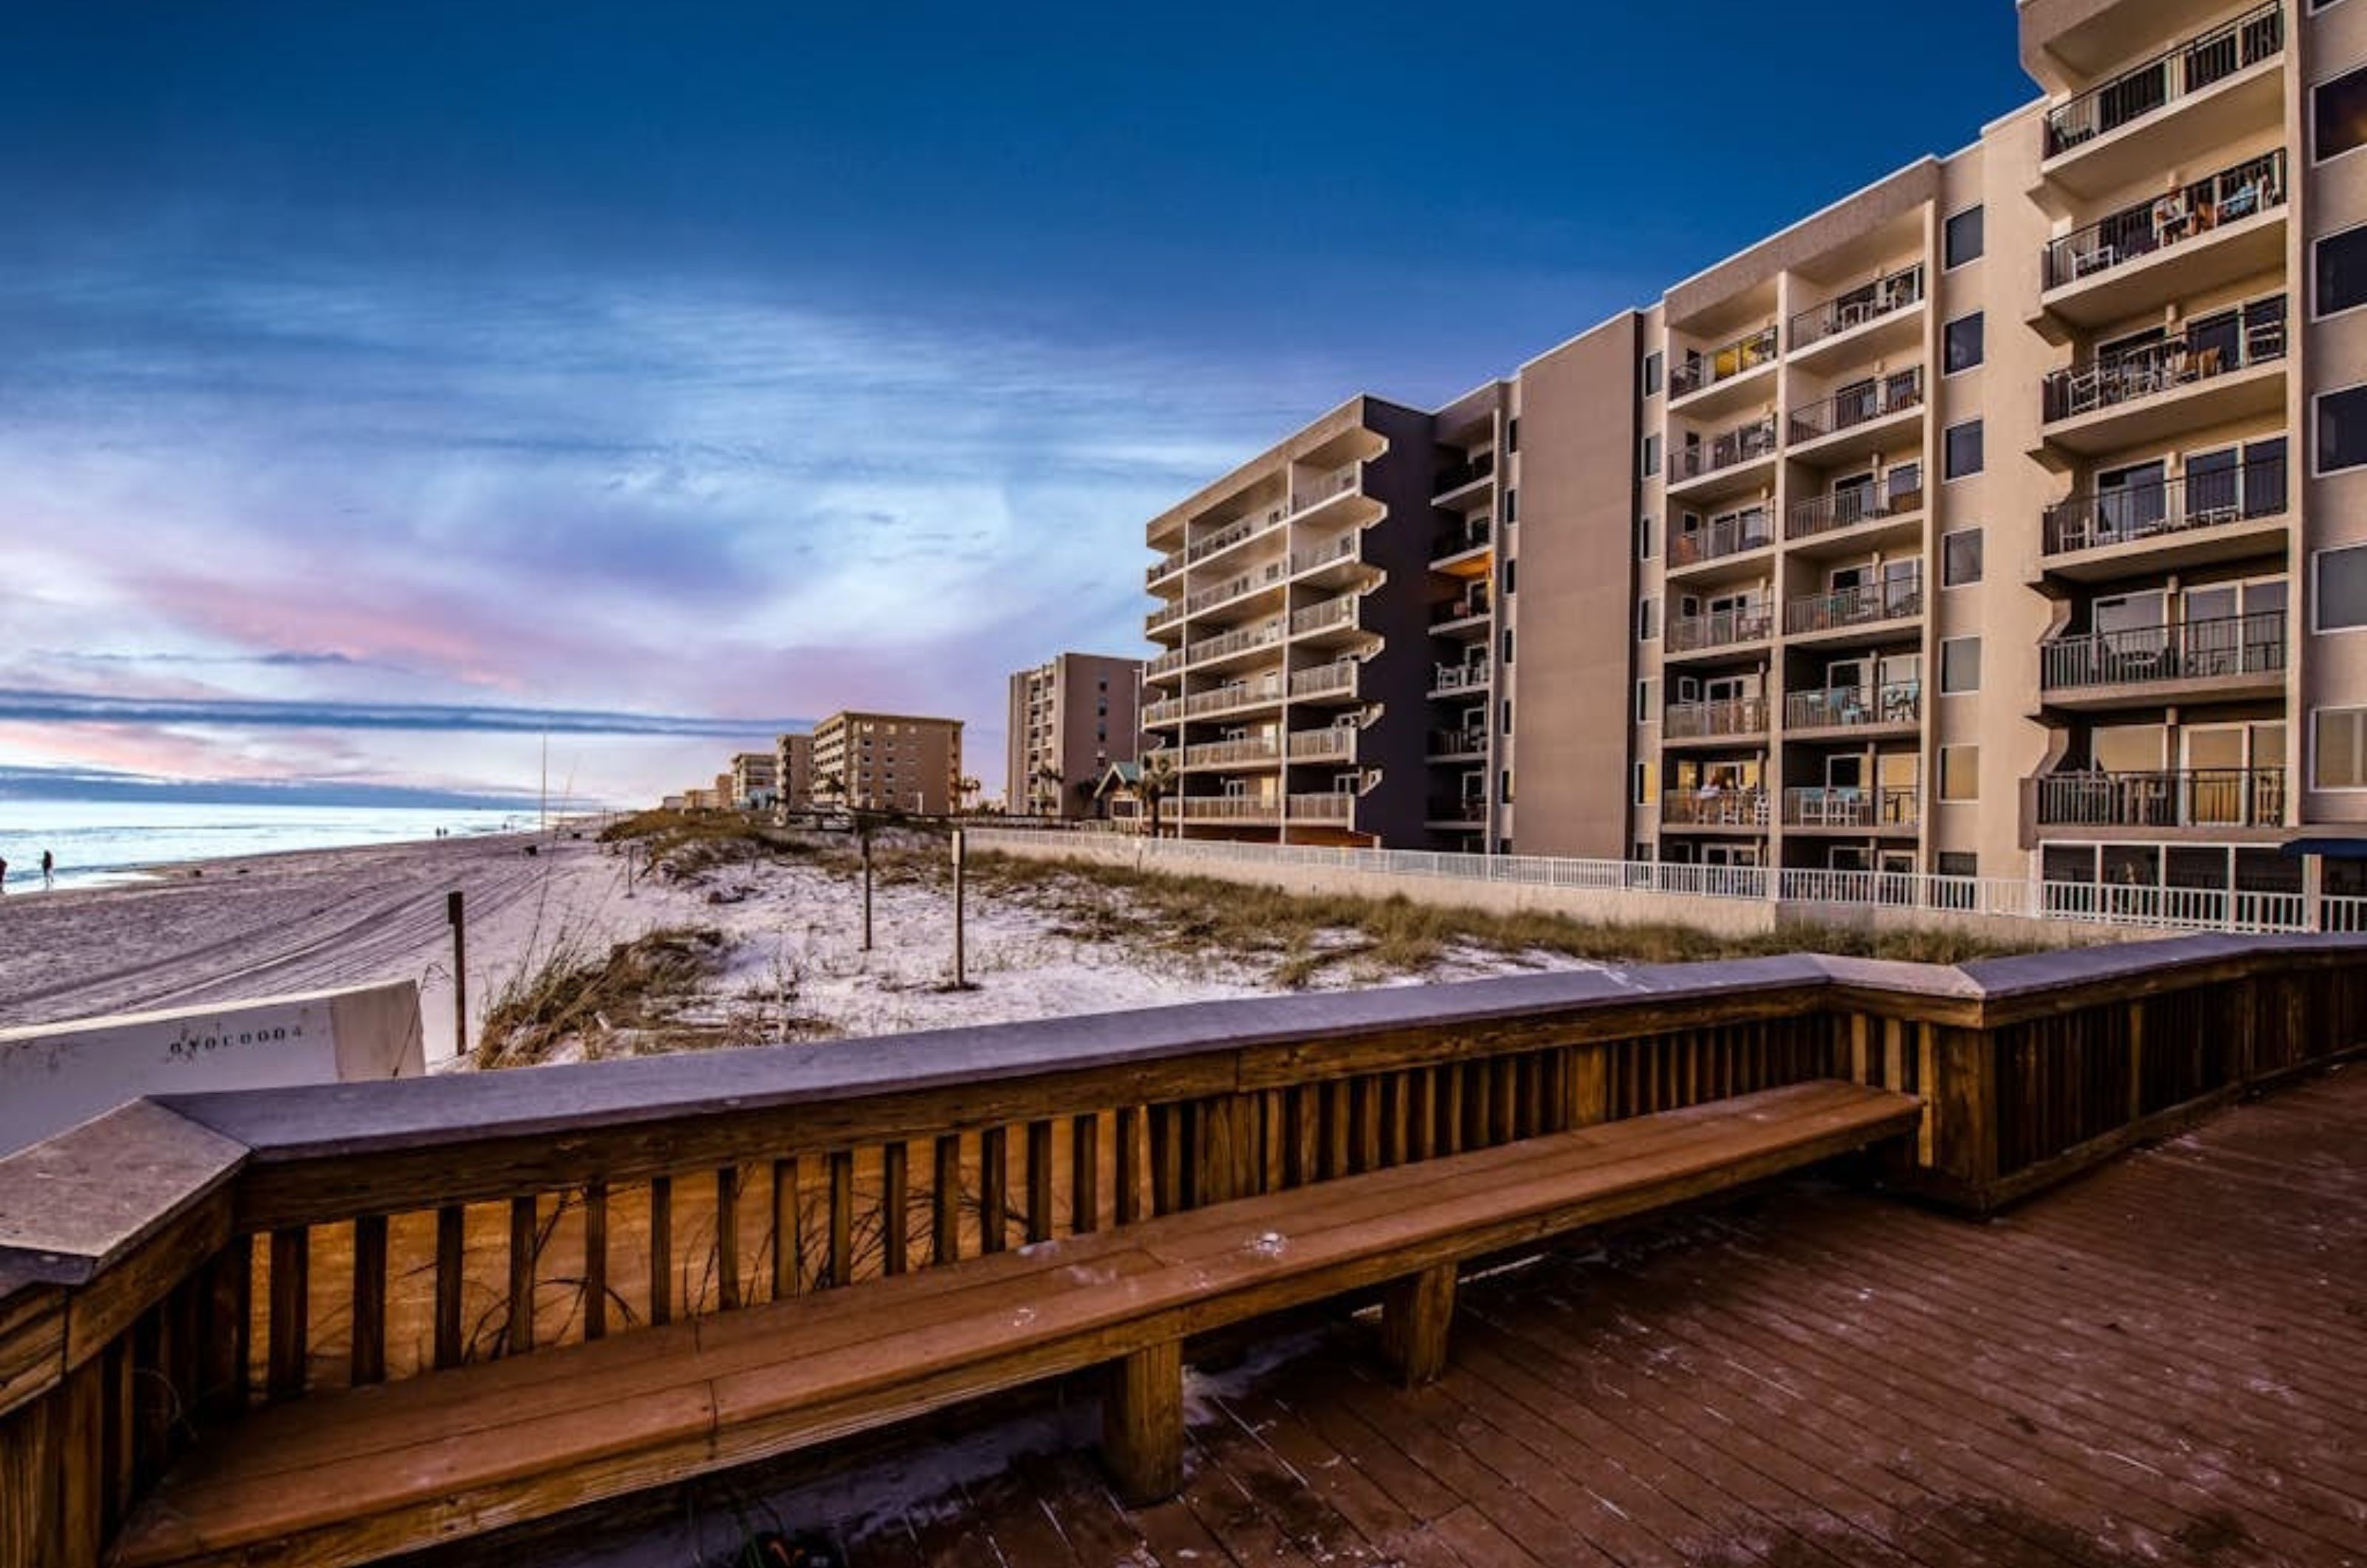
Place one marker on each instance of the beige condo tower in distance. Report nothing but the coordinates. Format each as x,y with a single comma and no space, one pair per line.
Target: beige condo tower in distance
1070,719
1997,519
886,762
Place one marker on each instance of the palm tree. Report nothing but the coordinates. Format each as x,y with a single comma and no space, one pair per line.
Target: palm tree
1154,781
1045,794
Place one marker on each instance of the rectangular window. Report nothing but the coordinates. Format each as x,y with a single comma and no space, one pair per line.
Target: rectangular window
1508,645
1964,342
1645,534
1651,456
1960,558
1511,507
2339,115
1647,706
2341,429
1964,458
1642,783
1511,577
2341,273
1507,716
2341,589
2338,749
1960,772
1959,862
1960,665
1644,850
1965,238
1647,619
1652,365
1504,786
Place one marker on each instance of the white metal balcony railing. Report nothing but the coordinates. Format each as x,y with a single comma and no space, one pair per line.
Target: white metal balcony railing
1168,712
1447,680
1329,807
1728,449
1868,604
1854,707
2237,340
1230,754
1165,664
1832,805
1270,635
1324,553
1326,487
1714,808
1240,587
1166,616
1699,372
1702,721
2182,70
1335,743
2188,650
1720,628
1230,807
1324,680
1238,694
1339,611
1859,307
2185,215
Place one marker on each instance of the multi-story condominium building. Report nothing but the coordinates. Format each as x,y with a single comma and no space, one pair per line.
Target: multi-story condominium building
756,780
888,761
1070,719
793,772
1996,519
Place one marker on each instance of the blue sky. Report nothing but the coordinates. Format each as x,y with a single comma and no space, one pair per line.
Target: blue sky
738,362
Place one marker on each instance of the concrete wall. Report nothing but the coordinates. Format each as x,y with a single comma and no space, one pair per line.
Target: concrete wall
53,1076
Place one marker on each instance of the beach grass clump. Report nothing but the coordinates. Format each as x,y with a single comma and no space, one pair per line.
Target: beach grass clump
580,1001
681,844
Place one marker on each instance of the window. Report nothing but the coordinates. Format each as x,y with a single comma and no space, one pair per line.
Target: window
1511,435
1964,454
1644,850
1508,645
2339,115
1511,577
1647,700
1507,716
1647,619
1965,238
1651,456
1963,344
1960,772
1511,507
1504,786
2341,429
2338,749
2341,271
1642,783
1960,558
1644,536
1960,665
1652,366
1959,862
2341,589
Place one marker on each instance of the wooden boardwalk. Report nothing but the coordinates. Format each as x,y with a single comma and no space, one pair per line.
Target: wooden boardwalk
2163,1363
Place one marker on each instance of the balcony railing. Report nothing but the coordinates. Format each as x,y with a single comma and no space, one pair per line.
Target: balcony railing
1339,612
2143,509
1465,810
1884,297
2191,650
1170,562
1167,712
1861,404
1446,743
1324,680
1891,599
1240,694
1714,808
1743,443
1720,628
1744,354
2136,232
1165,664
1234,642
1230,809
1447,680
1166,616
2187,798
1702,721
1323,554
1851,806
1266,576
1854,707
1472,536
2185,69
1233,532
1461,474
1328,807
1728,536
1228,753
1336,743
2195,355
1448,610
1846,508
1340,481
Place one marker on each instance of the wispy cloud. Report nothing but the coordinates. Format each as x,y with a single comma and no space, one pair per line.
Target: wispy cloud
82,707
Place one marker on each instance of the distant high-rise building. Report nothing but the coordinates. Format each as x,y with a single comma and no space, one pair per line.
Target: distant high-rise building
755,780
1070,719
886,762
793,771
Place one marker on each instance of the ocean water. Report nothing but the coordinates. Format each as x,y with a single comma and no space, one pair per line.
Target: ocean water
105,841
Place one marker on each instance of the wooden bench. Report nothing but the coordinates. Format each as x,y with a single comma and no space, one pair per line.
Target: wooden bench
352,1477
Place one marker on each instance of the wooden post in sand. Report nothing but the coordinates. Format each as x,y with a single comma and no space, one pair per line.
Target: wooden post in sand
957,909
864,834
452,912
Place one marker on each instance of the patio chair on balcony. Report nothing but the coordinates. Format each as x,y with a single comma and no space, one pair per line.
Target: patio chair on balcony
2086,264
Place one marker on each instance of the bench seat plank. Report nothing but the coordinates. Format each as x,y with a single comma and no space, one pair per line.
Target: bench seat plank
350,1477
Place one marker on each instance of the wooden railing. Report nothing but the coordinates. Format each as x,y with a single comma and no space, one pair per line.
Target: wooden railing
167,1265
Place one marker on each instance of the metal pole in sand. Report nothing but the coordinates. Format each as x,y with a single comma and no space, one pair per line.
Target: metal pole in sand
959,857
866,835
453,912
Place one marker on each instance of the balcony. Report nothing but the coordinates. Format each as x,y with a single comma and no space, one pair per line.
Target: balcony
1884,300
1885,809
1336,743
1467,614
1707,721
2148,393
1334,680
1326,489
1327,552
1241,587
1166,566
1239,694
1165,615
1230,809
1456,544
1866,605
1329,615
1167,663
1453,680
1453,481
1157,713
2231,655
1726,454
1466,813
1822,429
1233,753
1699,374
2201,93
1209,650
2191,797
2226,226
1821,515
1329,807
1736,533
2214,500
1720,628
1897,704
1714,808
1458,745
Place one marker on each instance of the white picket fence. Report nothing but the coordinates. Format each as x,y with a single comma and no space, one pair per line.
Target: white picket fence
2162,908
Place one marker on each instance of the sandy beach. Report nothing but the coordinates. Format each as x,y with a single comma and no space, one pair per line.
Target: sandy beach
273,924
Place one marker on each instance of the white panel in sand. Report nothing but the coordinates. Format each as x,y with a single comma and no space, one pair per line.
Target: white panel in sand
54,1076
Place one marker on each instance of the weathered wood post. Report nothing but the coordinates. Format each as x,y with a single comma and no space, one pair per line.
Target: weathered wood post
864,835
960,847
453,912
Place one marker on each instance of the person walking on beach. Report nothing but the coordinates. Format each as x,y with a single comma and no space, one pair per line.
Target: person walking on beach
3,874
48,872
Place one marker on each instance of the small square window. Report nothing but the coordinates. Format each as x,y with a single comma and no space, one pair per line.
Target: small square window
1653,362
1960,665
2338,749
2341,429
1960,558
2341,589
1964,347
1644,850
2339,115
1960,772
1963,456
1965,237
2341,278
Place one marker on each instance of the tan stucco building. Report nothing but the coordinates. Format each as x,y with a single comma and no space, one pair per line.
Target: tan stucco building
1070,718
886,762
1996,519
793,772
